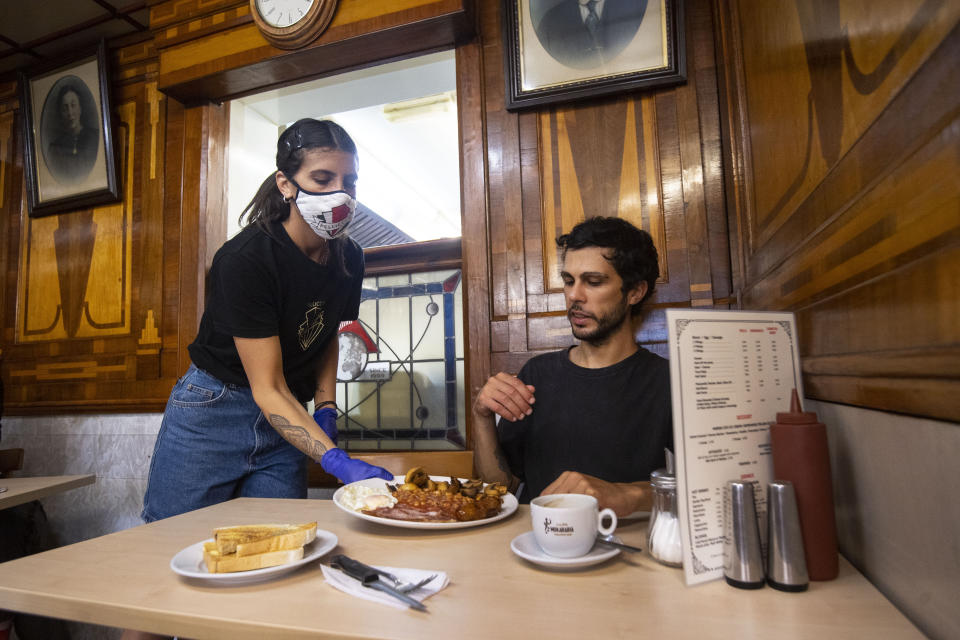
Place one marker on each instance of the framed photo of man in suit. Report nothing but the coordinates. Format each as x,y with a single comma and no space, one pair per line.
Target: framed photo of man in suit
68,142
562,50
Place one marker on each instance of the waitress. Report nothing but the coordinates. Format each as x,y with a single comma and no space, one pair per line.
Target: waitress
236,424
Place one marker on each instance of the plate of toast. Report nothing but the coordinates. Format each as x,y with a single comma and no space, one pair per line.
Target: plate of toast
420,501
243,554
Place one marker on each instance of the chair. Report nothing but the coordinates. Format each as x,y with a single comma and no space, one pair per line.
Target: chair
10,460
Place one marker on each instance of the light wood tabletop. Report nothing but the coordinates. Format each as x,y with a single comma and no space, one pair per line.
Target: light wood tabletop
125,580
21,490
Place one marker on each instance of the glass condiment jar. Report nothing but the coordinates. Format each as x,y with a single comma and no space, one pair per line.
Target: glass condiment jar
663,532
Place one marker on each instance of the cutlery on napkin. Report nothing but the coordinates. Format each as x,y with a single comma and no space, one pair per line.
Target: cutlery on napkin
339,579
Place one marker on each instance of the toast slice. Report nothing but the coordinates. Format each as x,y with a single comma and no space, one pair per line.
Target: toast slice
218,563
281,542
229,538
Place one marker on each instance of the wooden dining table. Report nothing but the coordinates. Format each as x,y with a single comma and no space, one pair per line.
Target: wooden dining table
14,491
125,580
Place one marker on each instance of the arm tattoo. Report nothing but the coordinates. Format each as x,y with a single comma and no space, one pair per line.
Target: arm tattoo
298,437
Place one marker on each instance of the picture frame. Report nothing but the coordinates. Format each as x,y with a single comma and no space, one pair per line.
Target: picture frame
551,56
69,160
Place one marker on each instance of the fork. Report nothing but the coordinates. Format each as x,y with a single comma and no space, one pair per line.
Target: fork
409,586
397,584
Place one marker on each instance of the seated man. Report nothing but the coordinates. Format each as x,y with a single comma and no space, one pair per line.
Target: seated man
594,418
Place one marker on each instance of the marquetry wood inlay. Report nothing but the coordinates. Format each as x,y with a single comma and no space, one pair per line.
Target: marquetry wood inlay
841,80
599,161
149,342
75,270
153,105
78,370
203,26
844,133
166,13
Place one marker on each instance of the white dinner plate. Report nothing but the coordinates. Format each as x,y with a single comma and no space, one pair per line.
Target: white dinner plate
525,545
189,562
507,507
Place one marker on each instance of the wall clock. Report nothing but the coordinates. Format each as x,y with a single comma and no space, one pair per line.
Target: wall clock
290,24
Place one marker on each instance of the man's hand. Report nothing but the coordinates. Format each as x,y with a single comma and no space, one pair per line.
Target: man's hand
506,396
623,497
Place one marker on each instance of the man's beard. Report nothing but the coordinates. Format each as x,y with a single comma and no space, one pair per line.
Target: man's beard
606,325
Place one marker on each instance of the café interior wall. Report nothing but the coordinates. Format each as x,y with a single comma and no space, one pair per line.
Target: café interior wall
516,313
841,125
895,485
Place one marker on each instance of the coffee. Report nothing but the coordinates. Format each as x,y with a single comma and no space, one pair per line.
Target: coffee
559,503
566,525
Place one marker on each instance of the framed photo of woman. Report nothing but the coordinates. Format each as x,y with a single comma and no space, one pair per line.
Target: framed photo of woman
563,50
68,142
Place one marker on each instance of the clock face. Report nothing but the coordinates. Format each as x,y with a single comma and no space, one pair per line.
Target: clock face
283,13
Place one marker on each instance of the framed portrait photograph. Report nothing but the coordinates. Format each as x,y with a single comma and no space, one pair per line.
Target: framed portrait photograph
68,155
564,50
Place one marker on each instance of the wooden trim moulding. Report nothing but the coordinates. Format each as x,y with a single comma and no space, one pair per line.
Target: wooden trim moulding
413,256
260,68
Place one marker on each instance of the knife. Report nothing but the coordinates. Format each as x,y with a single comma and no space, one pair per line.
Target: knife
370,578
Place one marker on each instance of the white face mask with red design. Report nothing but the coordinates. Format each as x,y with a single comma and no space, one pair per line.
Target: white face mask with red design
328,213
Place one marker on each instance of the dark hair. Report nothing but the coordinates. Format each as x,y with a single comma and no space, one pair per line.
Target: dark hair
634,256
267,206
63,93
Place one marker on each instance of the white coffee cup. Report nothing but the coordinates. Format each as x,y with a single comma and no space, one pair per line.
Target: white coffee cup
565,525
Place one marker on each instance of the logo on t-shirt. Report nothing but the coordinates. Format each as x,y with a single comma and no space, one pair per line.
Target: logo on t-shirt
312,325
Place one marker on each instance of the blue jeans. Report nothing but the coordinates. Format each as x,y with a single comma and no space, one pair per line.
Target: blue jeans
214,445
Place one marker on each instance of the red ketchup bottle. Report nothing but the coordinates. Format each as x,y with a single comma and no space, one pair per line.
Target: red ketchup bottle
801,455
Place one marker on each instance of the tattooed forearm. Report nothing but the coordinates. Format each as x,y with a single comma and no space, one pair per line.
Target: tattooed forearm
298,437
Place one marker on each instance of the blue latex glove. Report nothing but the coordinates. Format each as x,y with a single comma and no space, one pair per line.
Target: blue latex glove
326,419
337,463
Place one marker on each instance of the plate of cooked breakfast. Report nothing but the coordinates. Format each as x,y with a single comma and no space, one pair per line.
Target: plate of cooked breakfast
245,554
422,501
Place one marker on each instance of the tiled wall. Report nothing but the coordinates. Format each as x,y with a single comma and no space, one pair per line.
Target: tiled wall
896,482
117,448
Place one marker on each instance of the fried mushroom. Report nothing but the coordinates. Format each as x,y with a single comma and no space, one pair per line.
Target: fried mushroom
417,476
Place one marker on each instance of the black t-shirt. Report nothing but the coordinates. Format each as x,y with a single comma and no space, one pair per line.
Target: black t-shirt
261,286
612,423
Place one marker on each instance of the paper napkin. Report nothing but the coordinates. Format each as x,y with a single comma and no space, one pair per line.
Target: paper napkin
339,580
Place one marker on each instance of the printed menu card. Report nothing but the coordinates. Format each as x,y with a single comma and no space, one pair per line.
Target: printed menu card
730,373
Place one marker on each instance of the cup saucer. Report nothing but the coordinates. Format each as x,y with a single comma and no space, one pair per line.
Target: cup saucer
525,545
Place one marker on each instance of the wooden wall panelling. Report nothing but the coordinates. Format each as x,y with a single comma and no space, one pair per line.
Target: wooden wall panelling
195,211
734,139
473,198
11,188
101,351
863,241
652,157
702,67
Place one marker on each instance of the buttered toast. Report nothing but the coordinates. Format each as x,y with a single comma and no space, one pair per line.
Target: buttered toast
248,547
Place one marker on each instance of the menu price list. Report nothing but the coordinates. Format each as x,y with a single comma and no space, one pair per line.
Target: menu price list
731,372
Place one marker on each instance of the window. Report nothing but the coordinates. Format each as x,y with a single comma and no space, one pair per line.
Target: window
401,370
